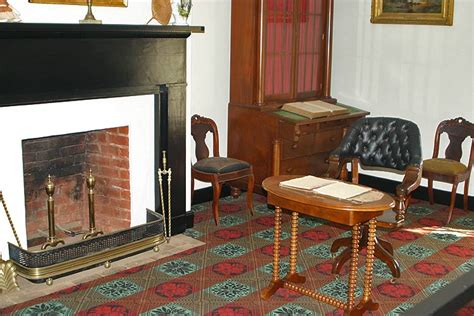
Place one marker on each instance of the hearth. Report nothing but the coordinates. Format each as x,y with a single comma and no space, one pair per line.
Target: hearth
63,63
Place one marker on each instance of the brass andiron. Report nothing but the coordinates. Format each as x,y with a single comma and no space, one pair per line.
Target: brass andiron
93,232
89,18
52,241
161,172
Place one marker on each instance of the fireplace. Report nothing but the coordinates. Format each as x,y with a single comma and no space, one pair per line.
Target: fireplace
63,70
70,159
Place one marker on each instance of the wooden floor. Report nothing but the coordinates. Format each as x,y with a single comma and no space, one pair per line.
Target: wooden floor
29,290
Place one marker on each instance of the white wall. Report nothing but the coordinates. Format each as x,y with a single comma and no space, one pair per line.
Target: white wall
210,68
418,72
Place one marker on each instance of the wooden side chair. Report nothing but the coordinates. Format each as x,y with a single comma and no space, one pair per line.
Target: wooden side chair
216,170
450,169
387,144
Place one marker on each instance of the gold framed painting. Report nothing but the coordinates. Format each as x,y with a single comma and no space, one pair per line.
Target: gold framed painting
431,12
98,3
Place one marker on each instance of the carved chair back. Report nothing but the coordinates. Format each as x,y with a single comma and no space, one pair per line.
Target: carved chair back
458,130
200,126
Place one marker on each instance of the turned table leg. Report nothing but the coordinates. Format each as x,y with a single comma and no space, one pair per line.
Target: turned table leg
292,276
353,267
367,303
276,282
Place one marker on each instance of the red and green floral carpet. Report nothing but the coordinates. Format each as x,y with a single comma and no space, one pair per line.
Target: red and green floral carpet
226,275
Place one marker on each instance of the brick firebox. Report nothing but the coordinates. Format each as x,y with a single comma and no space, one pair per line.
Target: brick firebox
68,159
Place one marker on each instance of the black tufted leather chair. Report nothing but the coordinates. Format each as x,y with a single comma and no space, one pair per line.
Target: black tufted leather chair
382,143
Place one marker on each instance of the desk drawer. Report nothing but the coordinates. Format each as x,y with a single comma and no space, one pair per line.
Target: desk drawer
310,144
314,165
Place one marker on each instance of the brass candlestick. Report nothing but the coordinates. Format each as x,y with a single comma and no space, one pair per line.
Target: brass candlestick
89,18
52,241
93,232
161,172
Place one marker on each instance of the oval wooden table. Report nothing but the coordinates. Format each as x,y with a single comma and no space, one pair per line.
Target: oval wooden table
332,209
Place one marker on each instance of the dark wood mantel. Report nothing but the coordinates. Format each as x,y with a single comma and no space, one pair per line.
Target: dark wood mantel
48,30
60,62
42,63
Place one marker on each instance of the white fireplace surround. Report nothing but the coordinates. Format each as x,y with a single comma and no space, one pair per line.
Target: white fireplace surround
40,120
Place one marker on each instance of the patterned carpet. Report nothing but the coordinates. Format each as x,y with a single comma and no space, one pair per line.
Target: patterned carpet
225,276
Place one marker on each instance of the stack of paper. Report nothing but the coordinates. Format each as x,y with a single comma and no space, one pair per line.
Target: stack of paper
306,183
341,190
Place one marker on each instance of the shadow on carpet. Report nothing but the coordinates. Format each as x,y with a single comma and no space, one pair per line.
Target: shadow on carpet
226,275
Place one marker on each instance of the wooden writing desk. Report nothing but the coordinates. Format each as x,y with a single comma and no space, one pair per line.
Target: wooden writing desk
331,209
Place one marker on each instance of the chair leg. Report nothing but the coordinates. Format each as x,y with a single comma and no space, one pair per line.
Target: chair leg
407,202
383,251
340,260
385,256
250,184
466,193
386,246
346,253
430,191
341,242
216,187
451,203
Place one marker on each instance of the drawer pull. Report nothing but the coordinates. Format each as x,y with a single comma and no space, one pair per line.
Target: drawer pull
289,170
332,138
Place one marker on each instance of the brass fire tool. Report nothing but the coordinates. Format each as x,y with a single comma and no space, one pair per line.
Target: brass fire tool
93,232
52,241
7,268
161,172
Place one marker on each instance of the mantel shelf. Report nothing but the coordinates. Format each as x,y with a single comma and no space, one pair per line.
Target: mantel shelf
49,30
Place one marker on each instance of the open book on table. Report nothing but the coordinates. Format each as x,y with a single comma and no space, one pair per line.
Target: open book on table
342,190
328,187
306,183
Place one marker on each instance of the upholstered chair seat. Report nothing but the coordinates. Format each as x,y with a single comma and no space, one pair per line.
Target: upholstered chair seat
220,165
446,167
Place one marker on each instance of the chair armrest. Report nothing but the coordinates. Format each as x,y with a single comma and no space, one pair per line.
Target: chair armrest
410,182
335,167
